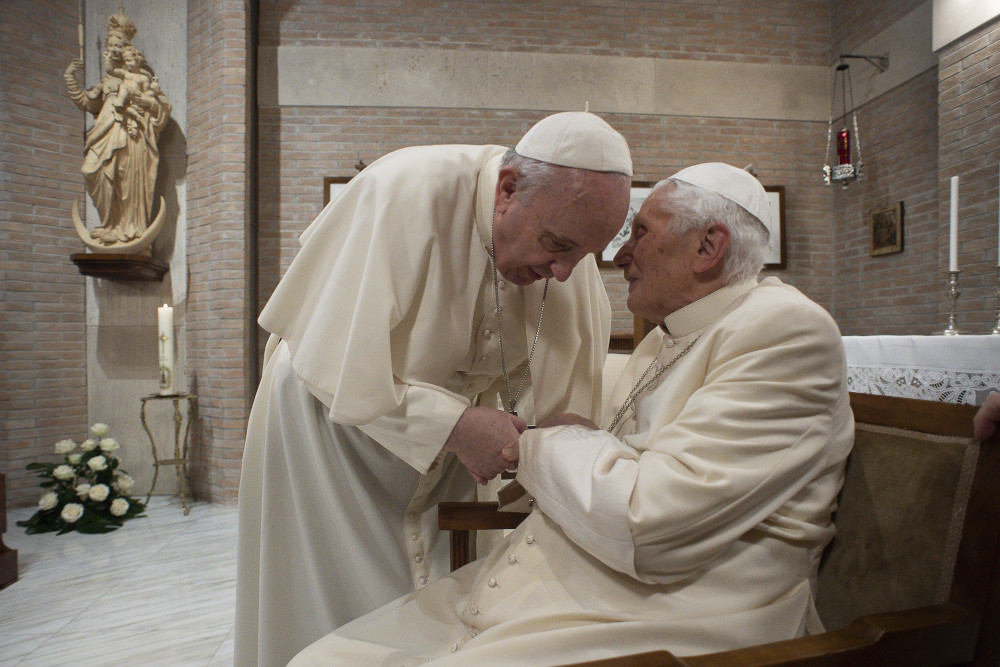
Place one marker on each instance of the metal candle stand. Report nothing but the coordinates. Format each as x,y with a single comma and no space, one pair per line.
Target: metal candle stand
179,461
953,294
996,290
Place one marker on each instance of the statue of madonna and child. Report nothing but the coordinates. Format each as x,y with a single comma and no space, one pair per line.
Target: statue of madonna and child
121,156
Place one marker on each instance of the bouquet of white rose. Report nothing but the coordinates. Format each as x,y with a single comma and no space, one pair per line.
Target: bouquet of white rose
86,492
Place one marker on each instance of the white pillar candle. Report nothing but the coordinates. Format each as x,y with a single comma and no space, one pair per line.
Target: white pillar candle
166,343
953,227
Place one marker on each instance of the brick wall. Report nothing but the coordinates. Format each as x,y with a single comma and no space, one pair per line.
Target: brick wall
43,393
300,145
783,31
969,147
220,340
899,293
854,22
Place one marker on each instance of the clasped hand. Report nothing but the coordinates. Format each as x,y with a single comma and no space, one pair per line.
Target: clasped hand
485,441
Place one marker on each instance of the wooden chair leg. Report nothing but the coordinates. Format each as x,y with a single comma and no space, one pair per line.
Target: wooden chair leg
460,549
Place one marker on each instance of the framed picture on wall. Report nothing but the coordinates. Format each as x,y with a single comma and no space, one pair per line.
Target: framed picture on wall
640,190
887,229
775,258
332,185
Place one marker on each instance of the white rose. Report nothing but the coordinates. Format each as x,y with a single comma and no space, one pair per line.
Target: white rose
100,429
83,490
118,506
74,459
64,472
124,483
109,445
48,500
65,446
88,444
97,464
98,492
71,512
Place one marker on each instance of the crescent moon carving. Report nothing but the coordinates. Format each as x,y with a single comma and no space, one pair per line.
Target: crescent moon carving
133,247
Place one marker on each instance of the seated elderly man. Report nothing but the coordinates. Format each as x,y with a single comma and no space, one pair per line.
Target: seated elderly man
695,518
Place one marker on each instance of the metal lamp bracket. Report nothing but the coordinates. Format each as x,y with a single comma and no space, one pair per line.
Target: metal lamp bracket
881,63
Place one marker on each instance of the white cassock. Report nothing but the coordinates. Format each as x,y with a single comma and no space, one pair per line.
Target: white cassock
699,529
387,320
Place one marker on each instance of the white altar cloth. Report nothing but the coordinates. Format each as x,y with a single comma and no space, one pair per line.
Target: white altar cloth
949,369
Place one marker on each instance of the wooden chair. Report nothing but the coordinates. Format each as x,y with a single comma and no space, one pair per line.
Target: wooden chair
913,576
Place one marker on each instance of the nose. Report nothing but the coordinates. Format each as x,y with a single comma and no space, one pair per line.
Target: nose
561,271
624,255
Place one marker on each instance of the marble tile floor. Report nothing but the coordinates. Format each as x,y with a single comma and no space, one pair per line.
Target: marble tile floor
160,590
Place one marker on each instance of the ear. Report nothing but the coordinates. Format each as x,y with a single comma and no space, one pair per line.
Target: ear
712,247
506,187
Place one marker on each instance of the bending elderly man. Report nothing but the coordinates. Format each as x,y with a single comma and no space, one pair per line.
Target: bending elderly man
692,521
394,336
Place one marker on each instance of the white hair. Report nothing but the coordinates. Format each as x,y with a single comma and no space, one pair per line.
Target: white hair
696,208
536,175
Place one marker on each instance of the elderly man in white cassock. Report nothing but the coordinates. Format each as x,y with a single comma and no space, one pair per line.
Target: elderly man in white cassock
693,520
419,301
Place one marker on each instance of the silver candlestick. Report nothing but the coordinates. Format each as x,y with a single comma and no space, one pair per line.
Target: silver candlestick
996,329
953,293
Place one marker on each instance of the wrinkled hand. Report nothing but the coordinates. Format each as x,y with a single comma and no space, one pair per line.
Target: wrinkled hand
568,419
485,441
984,424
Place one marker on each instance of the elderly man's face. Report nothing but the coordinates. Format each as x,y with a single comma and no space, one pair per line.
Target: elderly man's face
659,264
577,215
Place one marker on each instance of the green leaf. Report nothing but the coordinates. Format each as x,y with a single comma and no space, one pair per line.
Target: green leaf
32,521
96,528
42,528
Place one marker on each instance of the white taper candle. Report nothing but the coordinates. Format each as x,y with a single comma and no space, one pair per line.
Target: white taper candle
953,227
165,315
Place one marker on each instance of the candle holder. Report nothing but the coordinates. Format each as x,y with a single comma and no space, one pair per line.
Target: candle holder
996,290
953,294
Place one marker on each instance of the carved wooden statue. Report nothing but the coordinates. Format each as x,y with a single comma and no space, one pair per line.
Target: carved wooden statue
121,156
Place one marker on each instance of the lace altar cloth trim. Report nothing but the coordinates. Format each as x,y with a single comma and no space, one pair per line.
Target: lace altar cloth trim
967,388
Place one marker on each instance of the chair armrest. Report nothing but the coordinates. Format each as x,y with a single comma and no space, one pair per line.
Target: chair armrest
938,635
476,516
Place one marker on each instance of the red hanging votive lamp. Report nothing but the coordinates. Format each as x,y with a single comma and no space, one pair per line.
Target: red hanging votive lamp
844,170
844,146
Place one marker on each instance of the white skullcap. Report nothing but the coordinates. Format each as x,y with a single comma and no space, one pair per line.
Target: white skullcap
729,182
577,139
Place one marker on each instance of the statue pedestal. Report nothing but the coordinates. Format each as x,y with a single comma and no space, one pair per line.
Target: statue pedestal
8,556
119,267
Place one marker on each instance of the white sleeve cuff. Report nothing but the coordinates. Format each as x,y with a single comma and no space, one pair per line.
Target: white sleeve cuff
417,429
583,479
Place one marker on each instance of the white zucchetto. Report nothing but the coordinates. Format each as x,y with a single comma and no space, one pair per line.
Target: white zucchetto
729,182
577,139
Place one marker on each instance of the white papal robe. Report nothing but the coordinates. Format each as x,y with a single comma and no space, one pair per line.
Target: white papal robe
387,325
699,529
